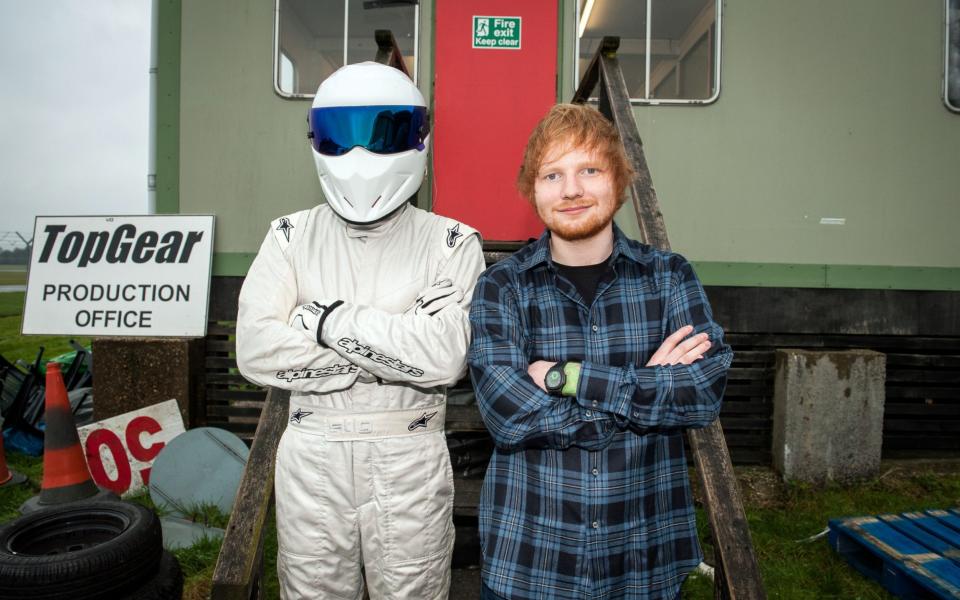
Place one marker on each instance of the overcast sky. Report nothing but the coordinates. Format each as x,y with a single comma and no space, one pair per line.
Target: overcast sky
74,109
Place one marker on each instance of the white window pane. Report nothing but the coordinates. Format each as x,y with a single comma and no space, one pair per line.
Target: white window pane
367,16
683,45
953,55
288,75
626,19
311,37
682,49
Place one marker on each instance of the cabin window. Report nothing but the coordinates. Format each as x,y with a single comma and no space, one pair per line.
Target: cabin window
669,49
314,38
951,86
288,74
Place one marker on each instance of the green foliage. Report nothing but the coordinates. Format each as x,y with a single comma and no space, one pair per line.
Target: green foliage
198,562
271,585
12,497
13,275
793,566
11,303
14,346
209,515
697,586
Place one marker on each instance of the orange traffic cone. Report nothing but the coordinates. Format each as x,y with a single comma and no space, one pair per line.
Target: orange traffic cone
66,477
8,477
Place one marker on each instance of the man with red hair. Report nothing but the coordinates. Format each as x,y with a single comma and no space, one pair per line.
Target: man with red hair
591,355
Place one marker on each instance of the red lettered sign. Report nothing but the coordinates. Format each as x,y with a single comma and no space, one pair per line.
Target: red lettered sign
120,450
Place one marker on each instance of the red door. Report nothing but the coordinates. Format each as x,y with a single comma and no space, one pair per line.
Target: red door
495,77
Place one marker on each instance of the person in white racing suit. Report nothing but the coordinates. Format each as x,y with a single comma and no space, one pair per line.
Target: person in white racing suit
359,307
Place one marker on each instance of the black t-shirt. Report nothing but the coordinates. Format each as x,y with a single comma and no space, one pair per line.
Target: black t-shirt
585,278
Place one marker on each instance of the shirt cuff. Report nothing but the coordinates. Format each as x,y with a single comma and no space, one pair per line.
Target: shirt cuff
626,392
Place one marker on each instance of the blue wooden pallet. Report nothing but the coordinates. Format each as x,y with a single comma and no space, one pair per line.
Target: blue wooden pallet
912,555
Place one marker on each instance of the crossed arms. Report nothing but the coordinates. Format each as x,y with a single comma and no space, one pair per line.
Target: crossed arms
424,347
680,385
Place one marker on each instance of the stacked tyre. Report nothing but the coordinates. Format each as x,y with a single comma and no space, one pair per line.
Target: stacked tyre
88,551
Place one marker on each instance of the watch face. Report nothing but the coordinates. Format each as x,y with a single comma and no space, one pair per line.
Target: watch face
552,380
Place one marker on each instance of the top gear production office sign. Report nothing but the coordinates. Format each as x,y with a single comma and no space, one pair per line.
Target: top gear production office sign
119,276
496,33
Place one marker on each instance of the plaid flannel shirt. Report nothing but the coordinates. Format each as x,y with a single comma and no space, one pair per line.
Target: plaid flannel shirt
588,497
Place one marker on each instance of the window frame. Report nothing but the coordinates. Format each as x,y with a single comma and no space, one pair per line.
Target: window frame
656,101
946,57
346,37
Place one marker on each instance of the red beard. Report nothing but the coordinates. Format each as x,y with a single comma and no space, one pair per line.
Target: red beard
580,229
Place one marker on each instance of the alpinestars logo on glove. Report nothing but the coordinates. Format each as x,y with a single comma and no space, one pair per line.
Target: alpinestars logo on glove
421,421
315,309
355,347
294,374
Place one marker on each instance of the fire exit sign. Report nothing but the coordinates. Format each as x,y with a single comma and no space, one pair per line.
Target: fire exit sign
500,33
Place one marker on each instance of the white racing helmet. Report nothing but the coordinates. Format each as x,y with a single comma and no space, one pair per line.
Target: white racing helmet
370,132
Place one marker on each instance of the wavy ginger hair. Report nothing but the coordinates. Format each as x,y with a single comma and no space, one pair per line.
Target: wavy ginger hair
568,126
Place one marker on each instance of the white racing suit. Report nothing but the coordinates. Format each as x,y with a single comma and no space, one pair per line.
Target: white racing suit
363,476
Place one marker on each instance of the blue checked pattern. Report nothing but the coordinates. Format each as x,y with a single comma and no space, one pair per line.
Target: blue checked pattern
588,497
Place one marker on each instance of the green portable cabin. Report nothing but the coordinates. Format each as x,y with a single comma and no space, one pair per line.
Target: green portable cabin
801,154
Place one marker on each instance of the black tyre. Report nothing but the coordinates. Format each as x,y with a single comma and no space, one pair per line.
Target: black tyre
86,550
167,584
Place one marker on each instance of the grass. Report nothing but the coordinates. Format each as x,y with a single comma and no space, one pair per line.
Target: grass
11,304
12,497
14,346
13,276
781,517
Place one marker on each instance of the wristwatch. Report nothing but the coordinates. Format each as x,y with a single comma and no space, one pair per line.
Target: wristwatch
562,378
555,378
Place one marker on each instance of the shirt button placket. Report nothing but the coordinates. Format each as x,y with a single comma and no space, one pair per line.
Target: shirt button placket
595,320
594,347
594,508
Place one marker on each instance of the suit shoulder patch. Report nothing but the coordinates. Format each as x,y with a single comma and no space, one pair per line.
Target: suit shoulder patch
453,233
285,228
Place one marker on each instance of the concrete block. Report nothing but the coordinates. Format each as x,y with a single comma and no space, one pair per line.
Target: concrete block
131,373
828,414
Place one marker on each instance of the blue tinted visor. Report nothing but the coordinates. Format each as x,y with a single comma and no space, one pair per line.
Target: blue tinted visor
379,129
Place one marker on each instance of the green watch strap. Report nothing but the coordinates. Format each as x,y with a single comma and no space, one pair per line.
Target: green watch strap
572,371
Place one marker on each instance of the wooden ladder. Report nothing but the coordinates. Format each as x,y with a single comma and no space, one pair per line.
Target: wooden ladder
737,574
